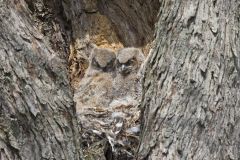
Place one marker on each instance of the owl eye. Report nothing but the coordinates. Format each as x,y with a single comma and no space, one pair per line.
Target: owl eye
130,62
94,63
118,63
110,64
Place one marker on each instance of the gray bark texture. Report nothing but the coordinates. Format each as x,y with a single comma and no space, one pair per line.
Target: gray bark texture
190,105
37,116
133,20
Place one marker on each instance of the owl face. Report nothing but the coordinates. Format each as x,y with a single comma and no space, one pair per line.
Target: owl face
127,67
129,60
103,60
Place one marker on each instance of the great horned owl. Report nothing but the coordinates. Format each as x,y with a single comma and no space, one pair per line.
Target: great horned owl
94,95
129,60
101,60
95,90
128,66
126,93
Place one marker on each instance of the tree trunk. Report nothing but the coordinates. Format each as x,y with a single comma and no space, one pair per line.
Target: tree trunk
37,117
190,104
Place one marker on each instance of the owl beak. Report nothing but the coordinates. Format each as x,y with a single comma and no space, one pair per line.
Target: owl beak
123,67
125,70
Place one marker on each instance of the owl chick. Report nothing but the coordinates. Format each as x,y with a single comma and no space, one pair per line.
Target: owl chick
128,65
95,90
101,60
129,60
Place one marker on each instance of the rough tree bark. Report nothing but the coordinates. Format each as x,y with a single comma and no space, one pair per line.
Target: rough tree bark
191,107
37,117
133,20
